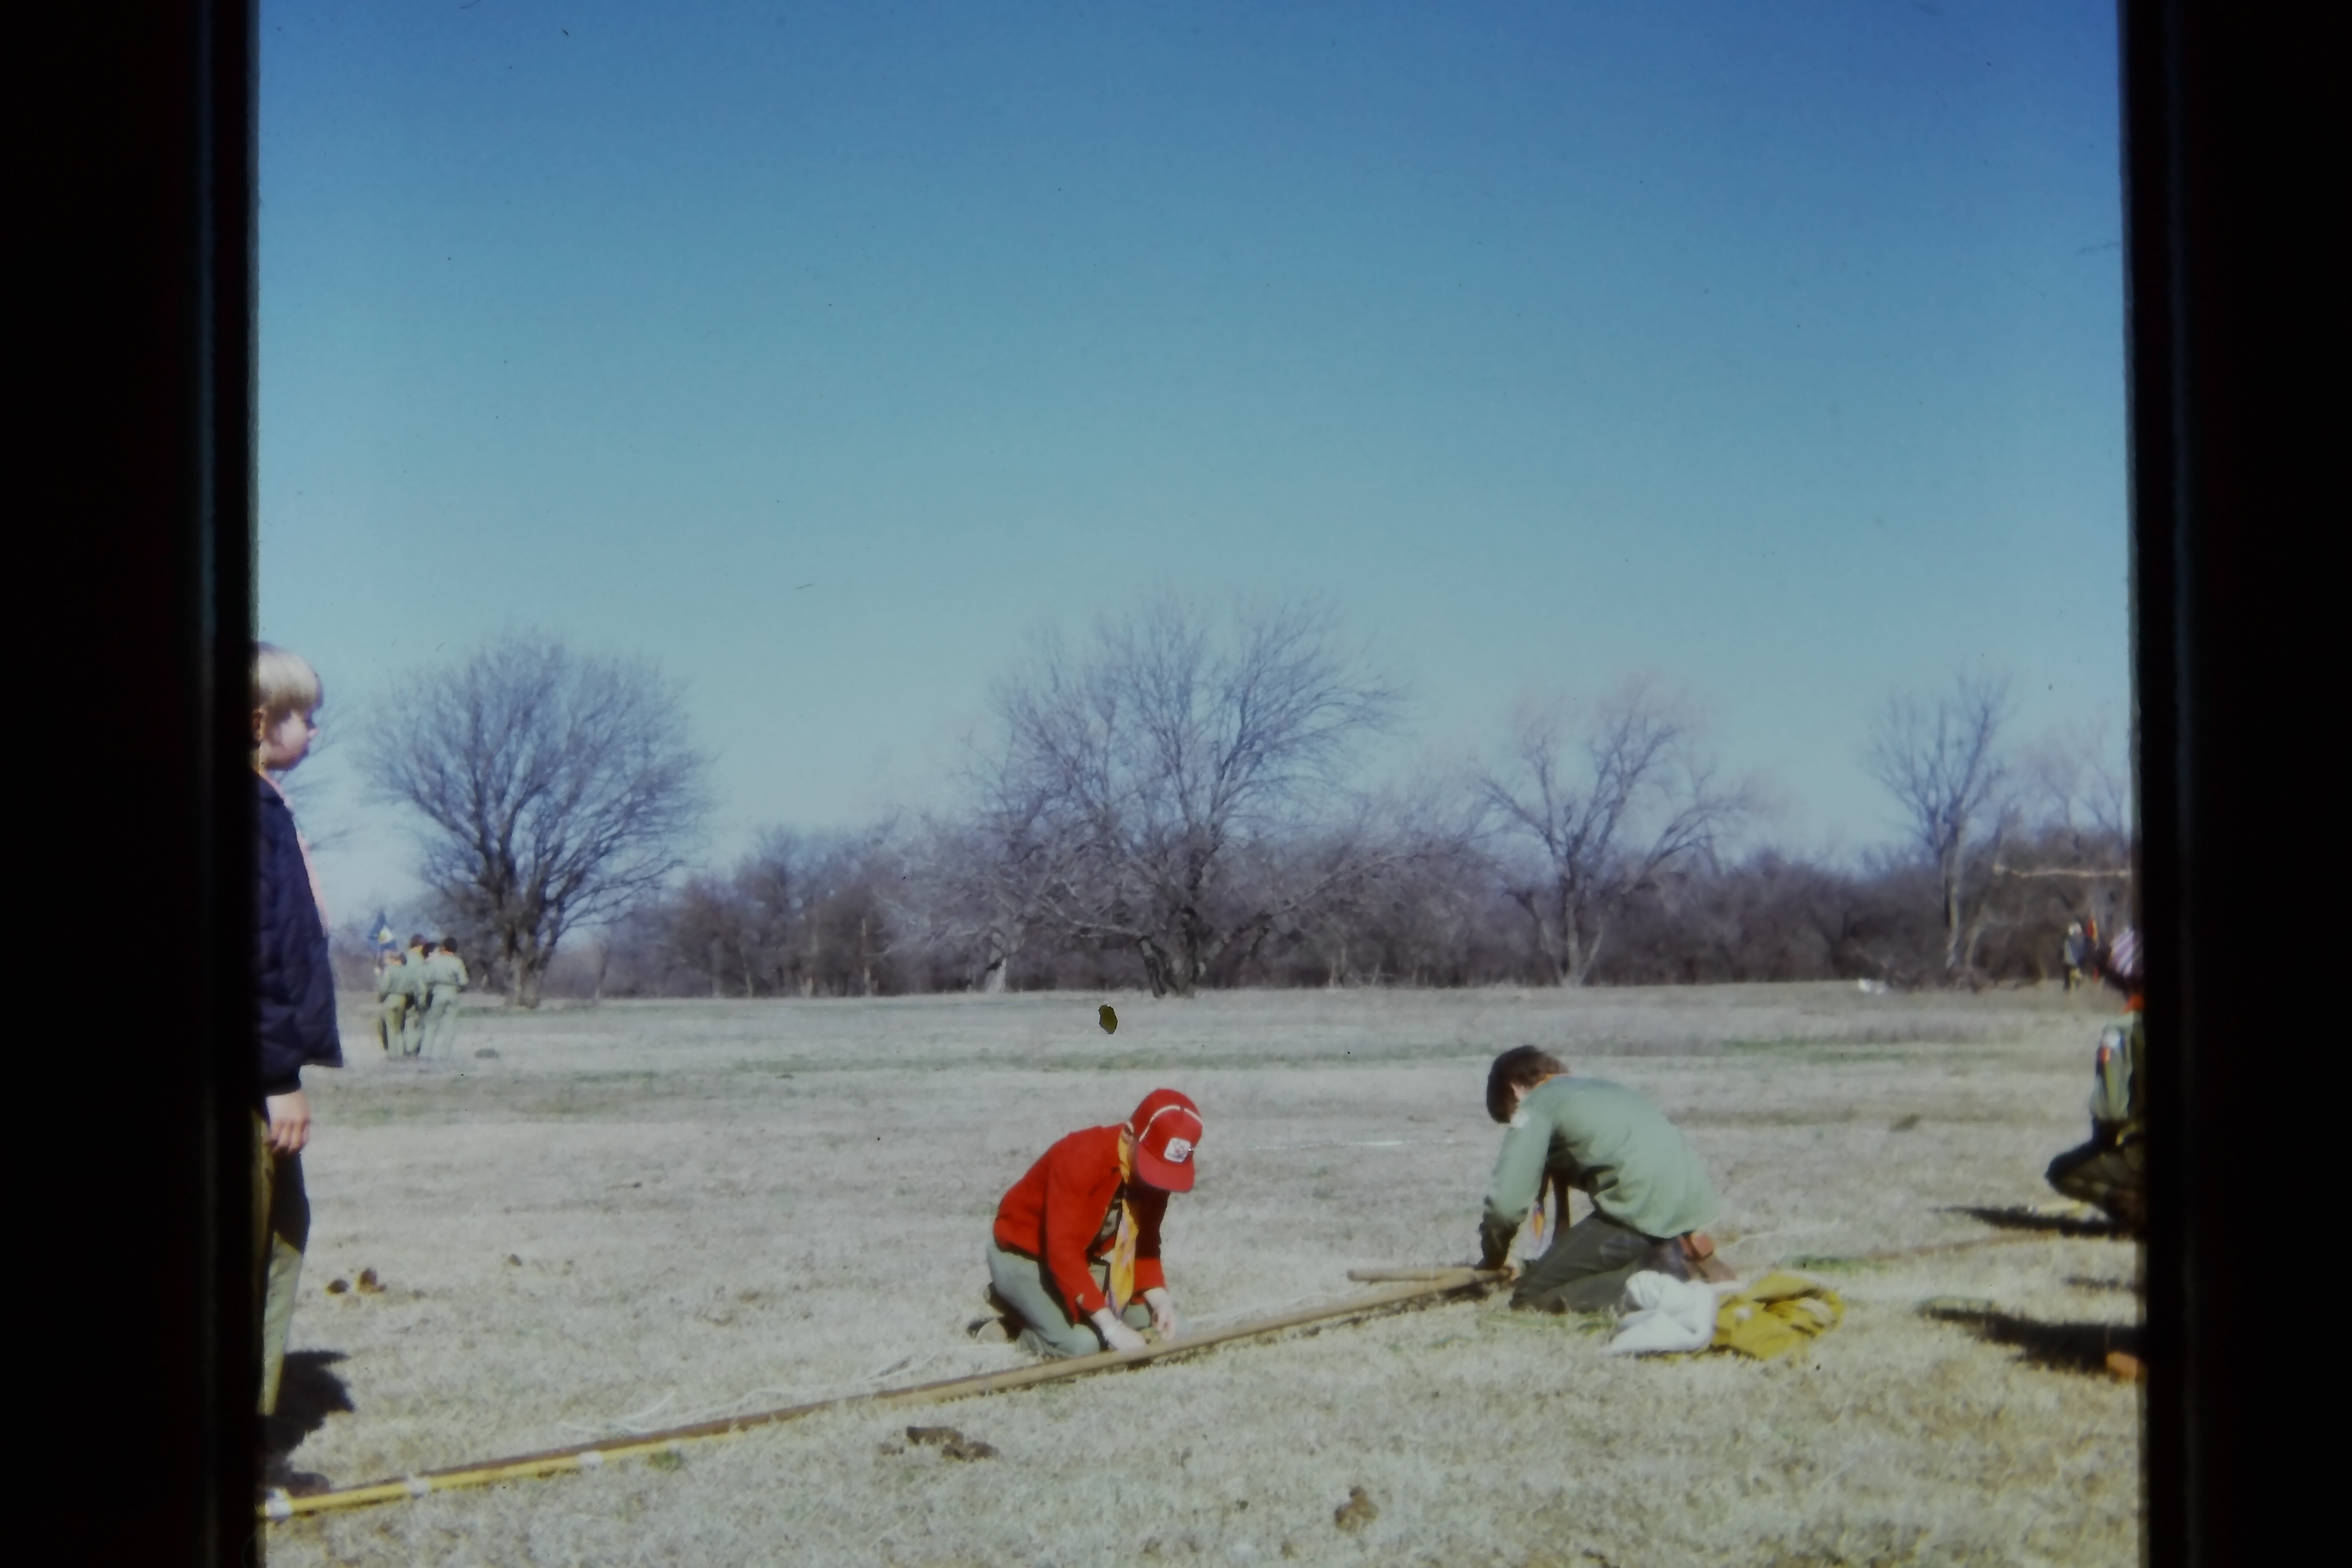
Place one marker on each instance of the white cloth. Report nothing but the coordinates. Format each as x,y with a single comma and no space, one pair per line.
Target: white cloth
1662,1314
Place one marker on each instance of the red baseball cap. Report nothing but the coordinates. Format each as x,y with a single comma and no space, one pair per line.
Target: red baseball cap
1167,1127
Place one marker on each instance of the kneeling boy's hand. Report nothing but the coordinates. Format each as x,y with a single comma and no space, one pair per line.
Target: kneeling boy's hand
1116,1335
1163,1310
290,1122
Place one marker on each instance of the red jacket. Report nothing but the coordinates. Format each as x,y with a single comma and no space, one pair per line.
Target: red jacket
1063,1214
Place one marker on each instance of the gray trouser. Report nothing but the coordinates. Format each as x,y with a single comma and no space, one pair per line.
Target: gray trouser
1048,1326
1587,1265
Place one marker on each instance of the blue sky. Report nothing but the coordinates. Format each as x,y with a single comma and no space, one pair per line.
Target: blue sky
824,353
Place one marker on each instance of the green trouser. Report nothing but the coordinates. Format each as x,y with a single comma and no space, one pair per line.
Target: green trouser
441,1022
391,1021
281,1229
1586,1267
2112,1176
1048,1328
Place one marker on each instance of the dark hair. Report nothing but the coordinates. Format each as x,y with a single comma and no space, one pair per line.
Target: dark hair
1522,1067
418,940
448,944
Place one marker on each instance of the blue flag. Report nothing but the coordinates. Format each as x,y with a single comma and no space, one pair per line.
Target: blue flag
381,934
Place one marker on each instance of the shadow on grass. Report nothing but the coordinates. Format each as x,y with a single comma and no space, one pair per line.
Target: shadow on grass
2019,1218
2063,1347
307,1395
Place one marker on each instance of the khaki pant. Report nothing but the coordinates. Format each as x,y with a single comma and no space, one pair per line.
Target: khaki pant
281,1229
440,1038
390,1020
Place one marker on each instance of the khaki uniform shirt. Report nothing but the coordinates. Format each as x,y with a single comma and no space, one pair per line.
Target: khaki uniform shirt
2116,1078
443,971
392,980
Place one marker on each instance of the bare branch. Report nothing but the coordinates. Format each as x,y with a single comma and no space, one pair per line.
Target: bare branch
1943,763
1131,779
556,789
1580,843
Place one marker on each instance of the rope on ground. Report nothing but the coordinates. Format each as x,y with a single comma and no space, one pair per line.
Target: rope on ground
636,1423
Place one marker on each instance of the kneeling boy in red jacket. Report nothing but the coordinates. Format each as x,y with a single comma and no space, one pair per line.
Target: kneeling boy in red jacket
1073,1262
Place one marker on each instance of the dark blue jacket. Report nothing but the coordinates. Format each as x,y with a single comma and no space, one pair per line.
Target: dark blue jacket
293,979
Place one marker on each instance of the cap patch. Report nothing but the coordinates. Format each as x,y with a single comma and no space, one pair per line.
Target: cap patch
1179,1150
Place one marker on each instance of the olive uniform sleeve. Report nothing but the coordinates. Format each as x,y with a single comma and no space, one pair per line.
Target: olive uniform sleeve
1517,1179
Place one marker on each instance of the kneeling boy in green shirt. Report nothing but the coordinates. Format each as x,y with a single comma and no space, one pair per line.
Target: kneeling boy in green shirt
1650,1193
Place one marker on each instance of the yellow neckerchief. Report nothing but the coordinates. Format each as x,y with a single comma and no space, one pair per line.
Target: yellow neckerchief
1550,1182
1122,1252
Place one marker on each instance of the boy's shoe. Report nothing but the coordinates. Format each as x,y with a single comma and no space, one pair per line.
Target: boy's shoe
990,1331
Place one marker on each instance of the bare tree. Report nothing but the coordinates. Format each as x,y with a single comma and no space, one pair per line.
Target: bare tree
2077,777
1134,778
1942,762
556,788
977,881
1596,805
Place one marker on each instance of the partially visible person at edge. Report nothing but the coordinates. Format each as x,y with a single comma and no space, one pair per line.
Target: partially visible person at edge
2110,1171
294,992
444,978
1073,1260
1650,1193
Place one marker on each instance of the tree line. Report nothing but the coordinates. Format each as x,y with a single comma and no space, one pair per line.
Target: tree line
1179,802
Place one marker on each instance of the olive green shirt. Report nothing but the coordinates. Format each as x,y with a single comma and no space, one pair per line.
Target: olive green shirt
1603,1139
445,972
2115,1081
397,980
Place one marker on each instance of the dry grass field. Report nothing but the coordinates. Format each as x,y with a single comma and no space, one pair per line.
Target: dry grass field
648,1213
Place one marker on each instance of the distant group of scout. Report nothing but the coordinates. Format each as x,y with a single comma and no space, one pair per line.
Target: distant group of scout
1073,1263
416,994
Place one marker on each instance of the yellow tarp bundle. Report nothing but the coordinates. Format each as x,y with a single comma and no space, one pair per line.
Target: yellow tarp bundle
1775,1315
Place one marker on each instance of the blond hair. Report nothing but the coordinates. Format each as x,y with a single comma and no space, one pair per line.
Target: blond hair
283,683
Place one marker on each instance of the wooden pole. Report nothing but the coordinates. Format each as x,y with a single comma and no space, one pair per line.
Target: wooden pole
593,1456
